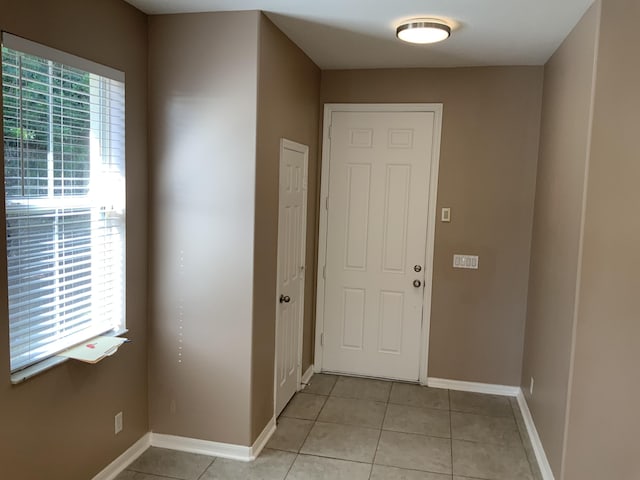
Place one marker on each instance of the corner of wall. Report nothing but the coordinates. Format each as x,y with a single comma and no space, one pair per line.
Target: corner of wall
557,236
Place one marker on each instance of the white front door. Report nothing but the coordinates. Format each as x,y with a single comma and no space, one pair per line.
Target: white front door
291,264
378,202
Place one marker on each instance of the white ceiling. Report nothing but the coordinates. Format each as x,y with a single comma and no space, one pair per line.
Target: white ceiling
361,33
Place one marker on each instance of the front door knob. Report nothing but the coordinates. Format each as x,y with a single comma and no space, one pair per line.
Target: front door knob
285,299
417,283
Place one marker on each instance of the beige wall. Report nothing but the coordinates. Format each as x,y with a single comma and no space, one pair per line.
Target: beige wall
203,93
59,424
487,176
602,435
564,141
219,102
288,94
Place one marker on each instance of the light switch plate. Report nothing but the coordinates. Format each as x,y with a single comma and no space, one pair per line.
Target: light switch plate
465,261
446,215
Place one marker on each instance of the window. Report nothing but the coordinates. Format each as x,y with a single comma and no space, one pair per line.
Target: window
63,120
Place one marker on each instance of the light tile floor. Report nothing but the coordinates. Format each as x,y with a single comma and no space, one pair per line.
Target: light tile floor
361,429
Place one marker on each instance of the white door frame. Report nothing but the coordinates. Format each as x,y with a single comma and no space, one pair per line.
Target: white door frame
304,149
329,109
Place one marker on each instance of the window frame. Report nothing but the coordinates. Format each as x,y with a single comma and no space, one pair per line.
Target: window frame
96,71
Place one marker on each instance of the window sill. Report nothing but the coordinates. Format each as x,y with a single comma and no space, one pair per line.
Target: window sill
47,364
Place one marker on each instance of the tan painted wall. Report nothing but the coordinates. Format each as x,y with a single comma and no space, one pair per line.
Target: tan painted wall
59,425
203,96
288,99
603,412
487,176
568,88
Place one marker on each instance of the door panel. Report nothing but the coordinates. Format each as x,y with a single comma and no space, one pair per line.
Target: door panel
391,312
353,318
291,247
395,222
376,233
357,221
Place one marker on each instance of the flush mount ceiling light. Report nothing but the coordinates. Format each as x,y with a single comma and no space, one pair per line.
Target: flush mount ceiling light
423,30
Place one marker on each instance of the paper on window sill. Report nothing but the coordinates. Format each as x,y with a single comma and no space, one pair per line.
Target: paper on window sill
94,350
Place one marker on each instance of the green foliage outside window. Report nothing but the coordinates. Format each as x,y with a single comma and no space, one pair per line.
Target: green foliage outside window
54,126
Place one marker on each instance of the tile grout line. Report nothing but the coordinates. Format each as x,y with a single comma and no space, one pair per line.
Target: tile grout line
333,386
208,467
291,466
370,427
384,417
315,421
317,455
153,474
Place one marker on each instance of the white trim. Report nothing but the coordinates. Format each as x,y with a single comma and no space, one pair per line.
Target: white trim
215,449
509,391
536,443
431,241
322,237
304,149
487,388
32,48
263,438
36,369
329,108
306,378
203,447
191,445
112,470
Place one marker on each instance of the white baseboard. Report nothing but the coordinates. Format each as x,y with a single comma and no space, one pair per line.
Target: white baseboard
203,447
112,470
215,449
505,390
191,445
307,375
489,388
538,449
263,438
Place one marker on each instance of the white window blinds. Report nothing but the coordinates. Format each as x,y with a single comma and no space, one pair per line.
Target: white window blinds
63,120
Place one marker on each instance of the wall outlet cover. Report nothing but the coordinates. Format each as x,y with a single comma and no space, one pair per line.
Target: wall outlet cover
118,423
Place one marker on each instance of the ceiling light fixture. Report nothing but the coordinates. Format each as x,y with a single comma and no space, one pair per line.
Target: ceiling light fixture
423,30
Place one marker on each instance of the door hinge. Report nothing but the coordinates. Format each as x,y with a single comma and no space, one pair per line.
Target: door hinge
322,339
324,271
326,203
329,132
